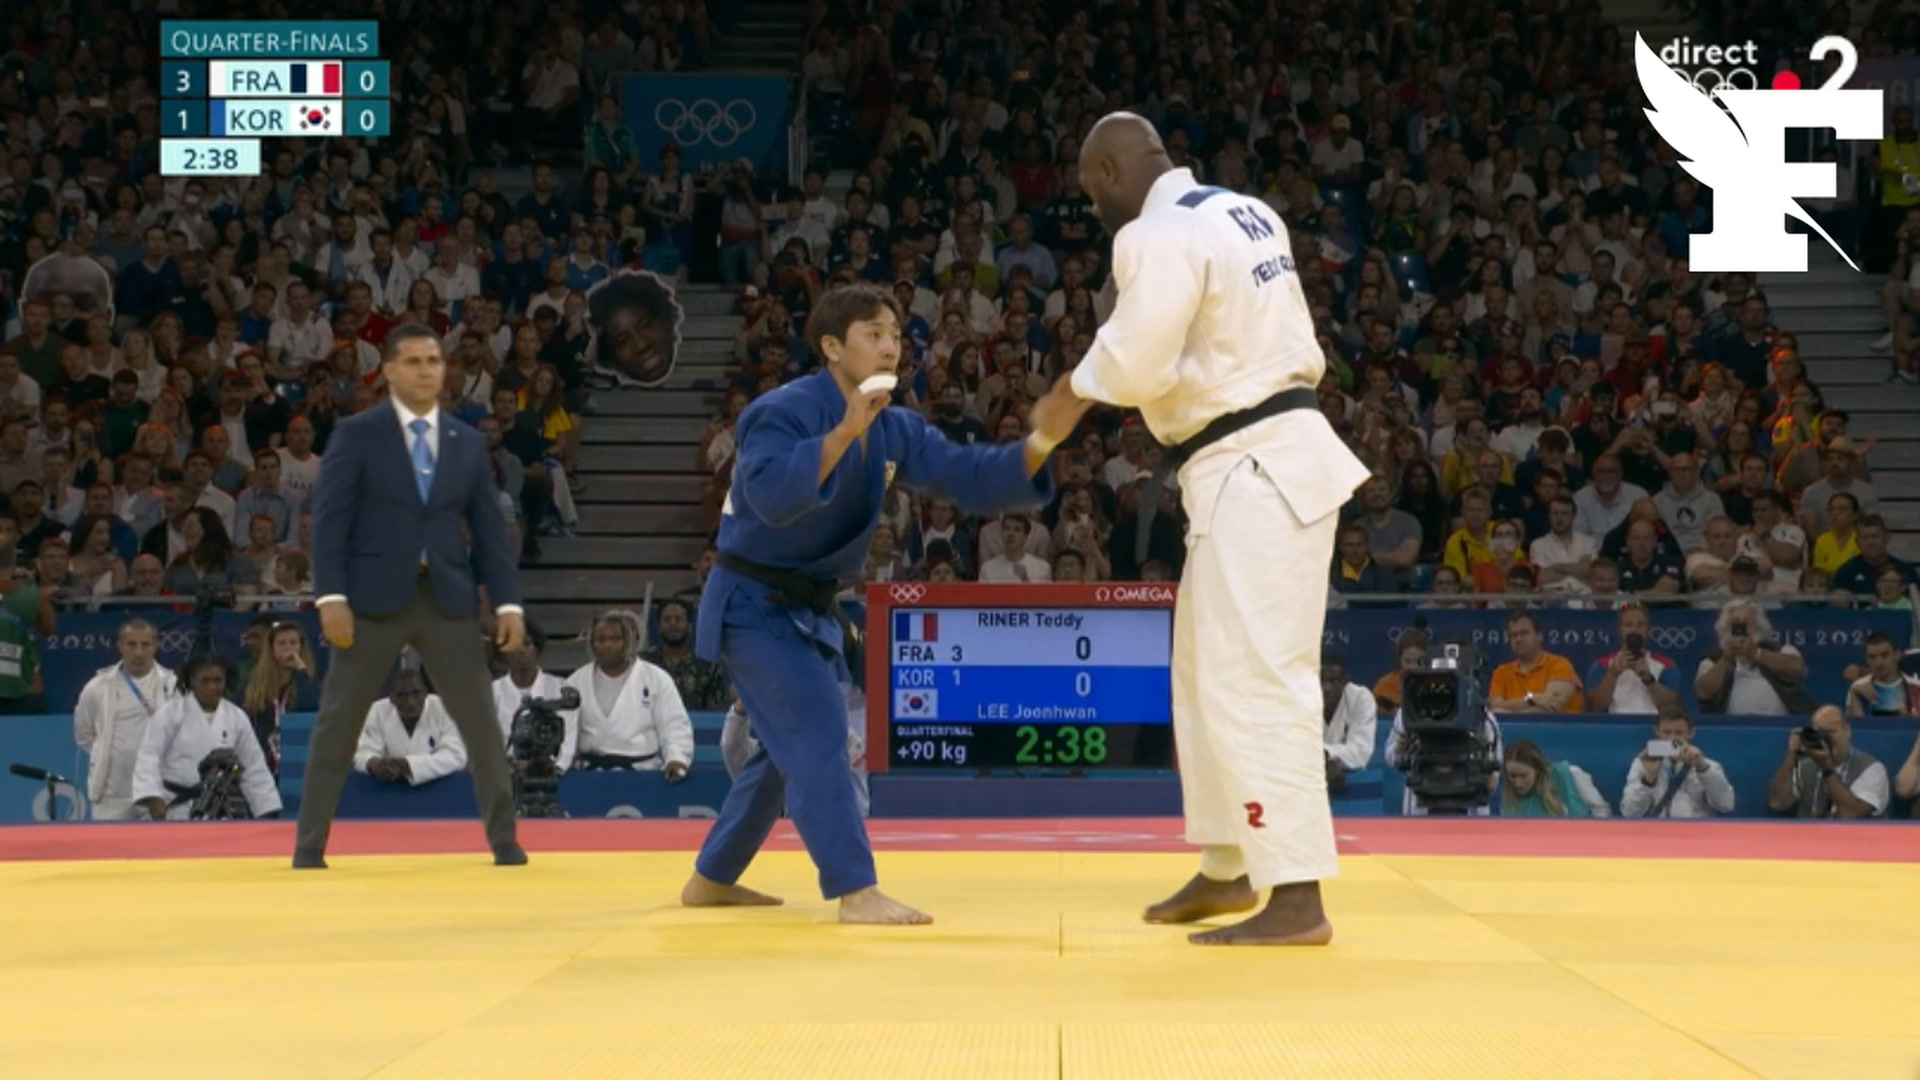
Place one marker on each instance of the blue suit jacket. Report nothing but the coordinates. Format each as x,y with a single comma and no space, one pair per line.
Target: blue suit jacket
370,526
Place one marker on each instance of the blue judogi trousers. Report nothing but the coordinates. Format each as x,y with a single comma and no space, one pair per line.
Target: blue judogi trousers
790,685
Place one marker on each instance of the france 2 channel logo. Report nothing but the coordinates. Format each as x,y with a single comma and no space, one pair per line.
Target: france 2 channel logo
917,704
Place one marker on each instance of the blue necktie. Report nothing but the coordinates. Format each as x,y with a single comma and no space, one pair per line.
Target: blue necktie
422,465
422,458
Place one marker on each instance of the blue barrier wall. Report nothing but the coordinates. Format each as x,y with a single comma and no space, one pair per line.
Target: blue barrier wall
1830,639
1749,748
713,119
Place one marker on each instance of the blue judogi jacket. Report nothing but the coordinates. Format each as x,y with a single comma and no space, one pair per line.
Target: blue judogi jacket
778,514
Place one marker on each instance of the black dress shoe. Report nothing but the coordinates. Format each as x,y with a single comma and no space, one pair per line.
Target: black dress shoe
509,855
309,860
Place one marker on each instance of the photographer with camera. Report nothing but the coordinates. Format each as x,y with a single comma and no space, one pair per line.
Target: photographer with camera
409,737
198,746
1751,673
1633,679
1825,776
1671,778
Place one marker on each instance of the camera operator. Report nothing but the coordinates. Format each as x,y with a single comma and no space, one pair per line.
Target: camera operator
1672,778
188,730
1751,673
409,737
1825,776
526,679
1633,680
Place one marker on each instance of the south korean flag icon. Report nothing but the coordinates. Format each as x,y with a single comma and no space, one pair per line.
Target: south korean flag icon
916,704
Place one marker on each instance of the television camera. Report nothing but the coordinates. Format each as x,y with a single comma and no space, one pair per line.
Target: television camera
1448,758
218,796
534,743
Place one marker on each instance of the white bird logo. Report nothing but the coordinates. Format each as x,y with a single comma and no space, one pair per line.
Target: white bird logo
1710,144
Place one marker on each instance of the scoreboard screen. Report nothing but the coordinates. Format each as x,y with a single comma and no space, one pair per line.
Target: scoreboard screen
227,85
972,677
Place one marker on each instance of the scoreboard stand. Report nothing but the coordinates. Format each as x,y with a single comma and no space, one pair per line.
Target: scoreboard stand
225,86
1028,700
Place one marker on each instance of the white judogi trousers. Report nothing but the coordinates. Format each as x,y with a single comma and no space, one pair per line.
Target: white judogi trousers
116,810
1246,654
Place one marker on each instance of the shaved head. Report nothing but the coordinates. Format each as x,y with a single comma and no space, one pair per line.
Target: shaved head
1119,162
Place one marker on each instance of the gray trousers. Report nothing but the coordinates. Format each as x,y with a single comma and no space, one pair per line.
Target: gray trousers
456,660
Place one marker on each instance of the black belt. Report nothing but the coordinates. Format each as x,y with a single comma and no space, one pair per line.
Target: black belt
1293,400
612,761
792,589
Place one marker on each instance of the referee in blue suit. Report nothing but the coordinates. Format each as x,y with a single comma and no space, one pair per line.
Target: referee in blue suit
406,527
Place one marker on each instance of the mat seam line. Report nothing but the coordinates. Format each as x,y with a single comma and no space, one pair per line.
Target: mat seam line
1530,950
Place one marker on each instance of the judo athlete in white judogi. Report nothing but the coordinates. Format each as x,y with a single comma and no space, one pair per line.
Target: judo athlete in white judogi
110,719
166,776
1211,339
812,463
409,738
526,679
631,715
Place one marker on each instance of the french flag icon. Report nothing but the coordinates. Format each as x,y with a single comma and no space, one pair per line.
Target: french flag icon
314,76
916,626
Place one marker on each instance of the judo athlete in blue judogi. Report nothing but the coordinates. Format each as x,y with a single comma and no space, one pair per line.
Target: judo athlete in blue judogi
813,462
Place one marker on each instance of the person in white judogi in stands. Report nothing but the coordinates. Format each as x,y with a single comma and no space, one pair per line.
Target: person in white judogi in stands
631,716
409,738
166,776
1212,340
110,720
525,678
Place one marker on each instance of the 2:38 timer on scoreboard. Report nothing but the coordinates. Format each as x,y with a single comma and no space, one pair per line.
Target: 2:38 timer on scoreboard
985,688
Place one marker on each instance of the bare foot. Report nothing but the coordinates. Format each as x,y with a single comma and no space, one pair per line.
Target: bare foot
704,892
871,907
1203,898
1293,916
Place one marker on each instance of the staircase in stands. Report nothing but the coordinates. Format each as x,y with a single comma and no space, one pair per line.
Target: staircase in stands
640,517
1835,312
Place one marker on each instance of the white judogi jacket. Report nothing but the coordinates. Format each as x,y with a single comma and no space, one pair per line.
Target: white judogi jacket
433,750
181,735
647,719
110,724
506,701
1211,319
1351,732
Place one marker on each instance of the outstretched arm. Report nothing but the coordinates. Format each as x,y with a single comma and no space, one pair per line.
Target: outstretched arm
981,479
1135,357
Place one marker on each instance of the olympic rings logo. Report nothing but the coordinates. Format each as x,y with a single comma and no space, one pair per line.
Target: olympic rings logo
1712,82
705,120
1671,637
909,593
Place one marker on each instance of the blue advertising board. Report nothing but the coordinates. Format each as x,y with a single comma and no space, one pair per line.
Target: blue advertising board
84,642
713,119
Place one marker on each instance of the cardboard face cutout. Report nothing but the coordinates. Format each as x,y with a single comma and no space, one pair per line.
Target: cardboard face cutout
636,318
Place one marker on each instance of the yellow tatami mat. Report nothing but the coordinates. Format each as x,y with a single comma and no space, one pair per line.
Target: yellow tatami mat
581,966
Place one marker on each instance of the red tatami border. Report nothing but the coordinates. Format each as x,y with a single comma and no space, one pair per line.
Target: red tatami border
1839,842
